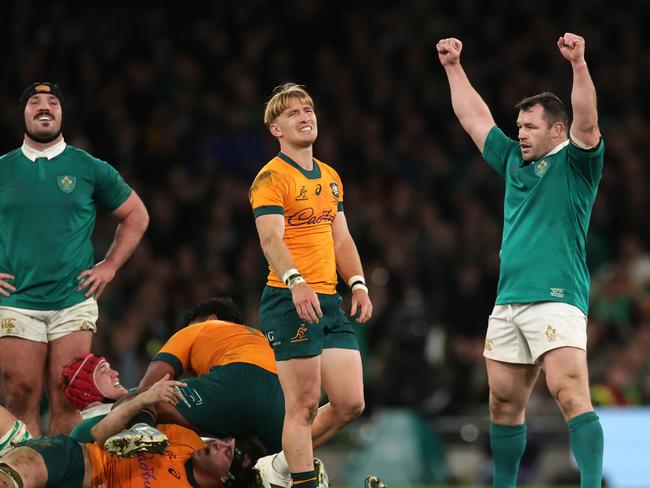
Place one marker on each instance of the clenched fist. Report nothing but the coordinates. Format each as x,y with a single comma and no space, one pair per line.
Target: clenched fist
572,47
449,51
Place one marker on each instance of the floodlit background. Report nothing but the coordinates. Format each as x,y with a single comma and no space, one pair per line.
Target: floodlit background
173,97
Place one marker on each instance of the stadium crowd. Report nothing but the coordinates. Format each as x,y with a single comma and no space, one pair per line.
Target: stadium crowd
173,98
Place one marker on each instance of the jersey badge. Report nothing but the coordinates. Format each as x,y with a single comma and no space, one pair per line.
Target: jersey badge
488,345
66,183
541,167
303,194
335,189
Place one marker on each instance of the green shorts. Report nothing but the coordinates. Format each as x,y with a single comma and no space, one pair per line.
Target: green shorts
64,460
236,399
290,337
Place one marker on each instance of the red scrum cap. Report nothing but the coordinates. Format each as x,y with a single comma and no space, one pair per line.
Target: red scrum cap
79,380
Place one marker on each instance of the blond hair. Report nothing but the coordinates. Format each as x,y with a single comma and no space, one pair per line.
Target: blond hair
281,97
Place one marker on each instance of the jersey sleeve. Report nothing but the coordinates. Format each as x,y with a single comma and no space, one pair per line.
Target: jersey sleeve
337,178
110,188
267,193
588,162
81,432
498,147
176,351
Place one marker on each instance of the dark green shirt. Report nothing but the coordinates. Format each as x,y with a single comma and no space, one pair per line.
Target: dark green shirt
47,210
546,211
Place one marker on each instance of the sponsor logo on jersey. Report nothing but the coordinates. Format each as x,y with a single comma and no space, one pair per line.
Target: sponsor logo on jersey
488,345
541,167
270,336
307,216
557,292
551,333
319,189
66,183
301,335
303,194
335,189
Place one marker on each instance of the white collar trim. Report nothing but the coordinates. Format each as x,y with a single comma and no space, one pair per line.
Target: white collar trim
49,153
557,148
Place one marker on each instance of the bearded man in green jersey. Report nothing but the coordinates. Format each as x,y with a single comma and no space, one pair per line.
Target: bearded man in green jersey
539,321
48,278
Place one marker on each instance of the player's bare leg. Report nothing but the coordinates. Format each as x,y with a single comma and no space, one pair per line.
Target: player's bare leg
510,387
301,381
23,364
342,379
61,351
568,381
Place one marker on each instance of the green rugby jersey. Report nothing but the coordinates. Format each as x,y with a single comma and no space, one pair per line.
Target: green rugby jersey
47,210
546,209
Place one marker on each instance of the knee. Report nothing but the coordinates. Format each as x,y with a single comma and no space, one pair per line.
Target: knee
59,403
305,407
350,410
21,394
503,407
571,398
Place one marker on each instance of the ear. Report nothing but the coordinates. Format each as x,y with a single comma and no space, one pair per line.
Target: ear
275,130
558,130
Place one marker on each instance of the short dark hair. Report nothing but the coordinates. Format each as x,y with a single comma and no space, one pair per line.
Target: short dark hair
246,477
554,109
223,307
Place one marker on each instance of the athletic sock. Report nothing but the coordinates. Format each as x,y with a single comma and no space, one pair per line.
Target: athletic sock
587,442
306,479
508,443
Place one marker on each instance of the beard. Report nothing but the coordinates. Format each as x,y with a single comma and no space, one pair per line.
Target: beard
44,138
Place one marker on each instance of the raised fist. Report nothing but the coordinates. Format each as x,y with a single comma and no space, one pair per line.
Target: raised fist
572,47
449,50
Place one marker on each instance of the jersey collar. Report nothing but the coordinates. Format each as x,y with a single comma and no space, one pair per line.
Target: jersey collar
557,148
49,153
189,471
313,174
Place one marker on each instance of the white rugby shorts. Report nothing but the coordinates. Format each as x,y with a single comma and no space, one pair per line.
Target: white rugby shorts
521,332
48,325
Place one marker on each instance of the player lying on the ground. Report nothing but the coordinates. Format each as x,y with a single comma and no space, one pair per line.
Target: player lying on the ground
188,460
235,392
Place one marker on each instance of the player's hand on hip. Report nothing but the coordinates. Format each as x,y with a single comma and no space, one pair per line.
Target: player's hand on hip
307,303
361,302
96,278
163,390
449,51
572,47
5,287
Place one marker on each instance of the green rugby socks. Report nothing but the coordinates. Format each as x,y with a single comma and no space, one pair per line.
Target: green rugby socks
508,443
587,443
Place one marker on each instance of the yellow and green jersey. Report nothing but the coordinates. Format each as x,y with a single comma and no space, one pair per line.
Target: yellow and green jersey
309,201
47,210
198,347
546,210
173,468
